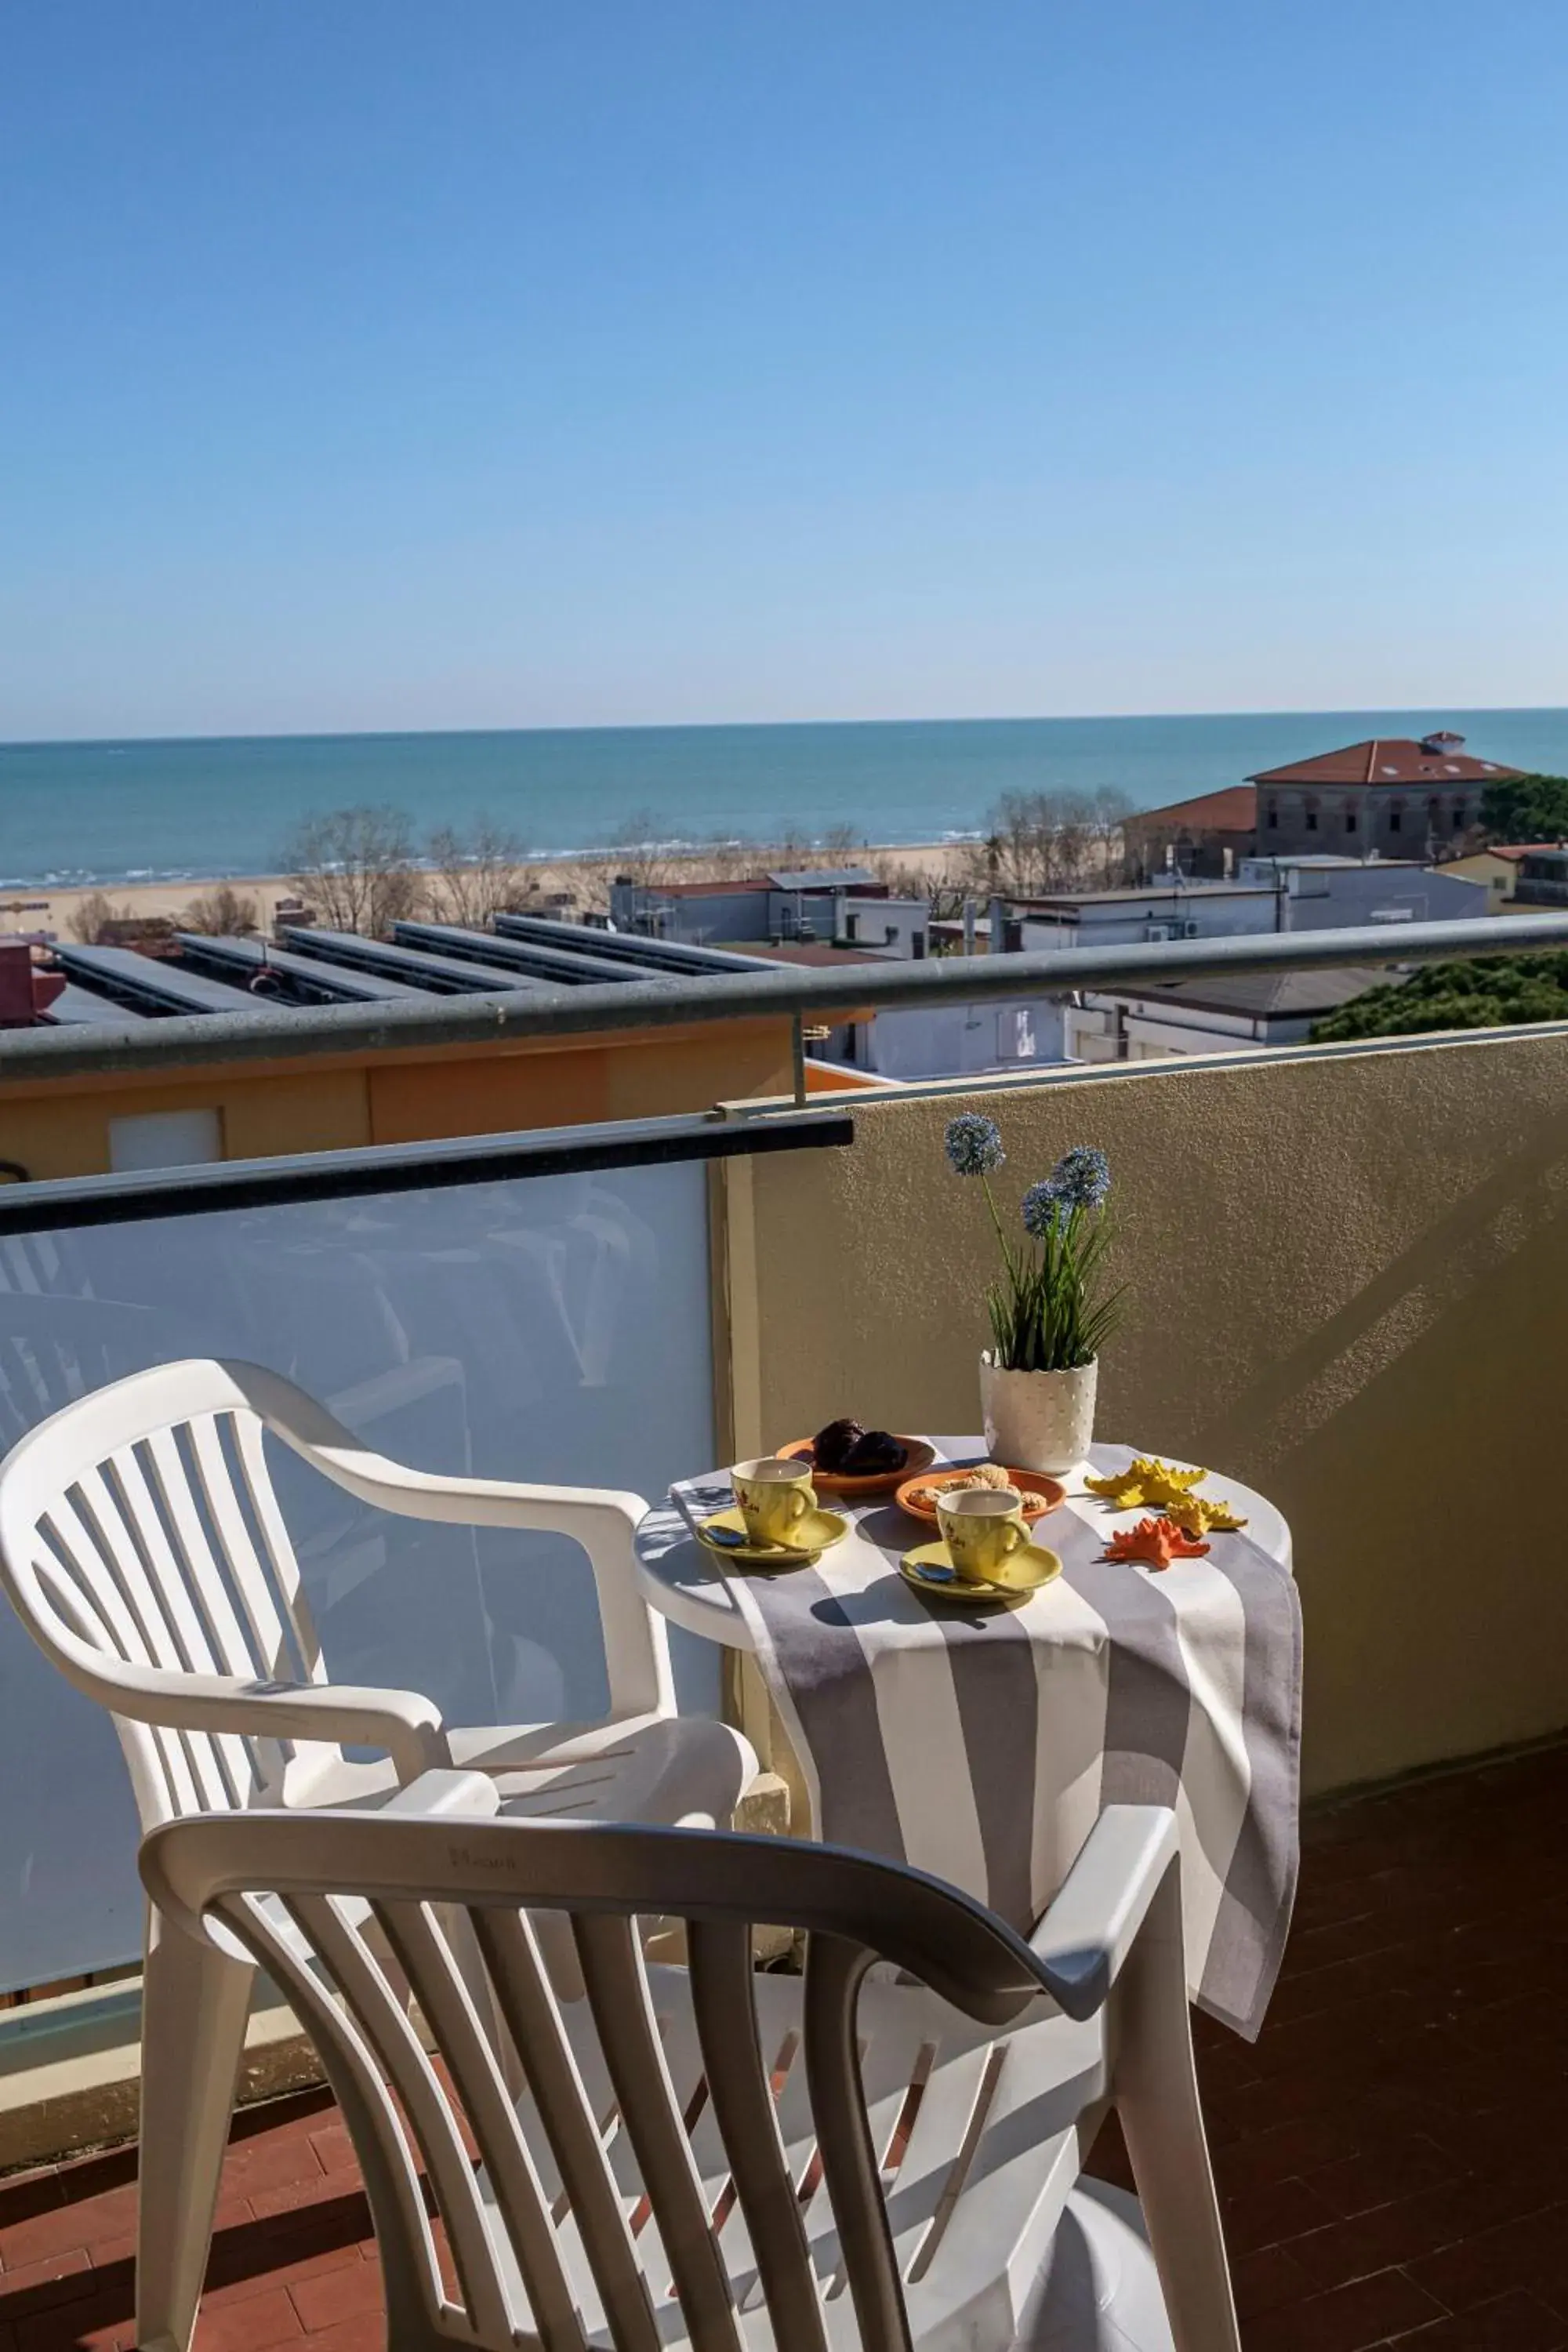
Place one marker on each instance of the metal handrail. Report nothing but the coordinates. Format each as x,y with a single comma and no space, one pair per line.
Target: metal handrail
780,992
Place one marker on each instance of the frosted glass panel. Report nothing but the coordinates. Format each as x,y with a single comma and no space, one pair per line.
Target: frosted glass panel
551,1327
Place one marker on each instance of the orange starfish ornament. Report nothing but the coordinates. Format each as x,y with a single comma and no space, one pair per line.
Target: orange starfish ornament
1155,1542
1146,1479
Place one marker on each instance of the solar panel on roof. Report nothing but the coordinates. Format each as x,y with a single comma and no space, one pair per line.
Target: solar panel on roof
149,983
577,970
253,957
428,973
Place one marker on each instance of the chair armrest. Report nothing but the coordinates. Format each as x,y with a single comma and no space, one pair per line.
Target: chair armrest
604,1521
407,1726
1089,1929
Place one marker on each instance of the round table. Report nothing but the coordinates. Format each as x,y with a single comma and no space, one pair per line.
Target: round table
690,1585
981,1745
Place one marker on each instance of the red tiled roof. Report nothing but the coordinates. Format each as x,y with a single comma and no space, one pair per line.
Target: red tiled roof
1385,760
1519,848
1235,810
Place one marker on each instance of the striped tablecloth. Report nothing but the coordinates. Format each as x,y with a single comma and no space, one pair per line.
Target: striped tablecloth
981,1747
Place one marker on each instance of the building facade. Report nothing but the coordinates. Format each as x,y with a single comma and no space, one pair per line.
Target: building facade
1390,796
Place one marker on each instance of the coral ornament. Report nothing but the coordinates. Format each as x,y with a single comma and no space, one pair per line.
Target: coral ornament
1154,1542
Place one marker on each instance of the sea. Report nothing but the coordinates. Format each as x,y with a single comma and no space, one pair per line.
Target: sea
145,811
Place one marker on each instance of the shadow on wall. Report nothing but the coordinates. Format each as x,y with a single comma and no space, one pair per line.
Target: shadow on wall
1348,1278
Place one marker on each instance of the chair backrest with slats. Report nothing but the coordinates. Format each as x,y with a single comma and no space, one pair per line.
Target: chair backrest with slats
677,2167
139,1529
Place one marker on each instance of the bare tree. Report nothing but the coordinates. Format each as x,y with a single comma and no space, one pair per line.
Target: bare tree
357,867
1040,842
223,912
640,849
476,874
94,917
1108,812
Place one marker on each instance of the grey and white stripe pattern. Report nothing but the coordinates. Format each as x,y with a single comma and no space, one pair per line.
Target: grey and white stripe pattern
982,1746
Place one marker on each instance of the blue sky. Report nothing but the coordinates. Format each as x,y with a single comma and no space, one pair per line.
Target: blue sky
373,365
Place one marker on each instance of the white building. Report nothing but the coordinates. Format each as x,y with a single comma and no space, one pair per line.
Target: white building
1319,894
1239,1012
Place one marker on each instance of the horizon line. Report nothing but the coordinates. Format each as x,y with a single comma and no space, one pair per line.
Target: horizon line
774,726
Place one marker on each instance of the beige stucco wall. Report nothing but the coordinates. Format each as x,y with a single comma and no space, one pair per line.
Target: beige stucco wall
1350,1288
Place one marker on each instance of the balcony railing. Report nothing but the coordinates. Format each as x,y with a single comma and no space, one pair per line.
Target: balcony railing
804,997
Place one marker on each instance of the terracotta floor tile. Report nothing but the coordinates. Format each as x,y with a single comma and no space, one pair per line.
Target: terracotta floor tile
1357,2184
367,2332
1347,2319
249,2326
1390,2152
1514,2323
1530,2251
1263,2281
344,2293
64,2277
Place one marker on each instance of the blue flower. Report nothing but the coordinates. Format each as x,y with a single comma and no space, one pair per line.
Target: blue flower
1043,1206
973,1144
1080,1179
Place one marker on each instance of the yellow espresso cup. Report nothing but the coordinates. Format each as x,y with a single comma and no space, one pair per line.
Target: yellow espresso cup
982,1527
774,1495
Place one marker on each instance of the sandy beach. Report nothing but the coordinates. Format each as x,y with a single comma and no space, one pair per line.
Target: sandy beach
30,912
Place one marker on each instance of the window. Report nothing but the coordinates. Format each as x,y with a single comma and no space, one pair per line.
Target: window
1395,821
164,1139
1272,819
1312,820
851,927
1459,819
1350,820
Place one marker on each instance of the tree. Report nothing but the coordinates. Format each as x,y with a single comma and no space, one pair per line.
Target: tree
640,849
1526,808
93,917
1040,842
357,867
223,912
475,875
1477,993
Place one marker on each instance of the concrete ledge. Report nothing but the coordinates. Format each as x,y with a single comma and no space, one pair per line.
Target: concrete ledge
70,2069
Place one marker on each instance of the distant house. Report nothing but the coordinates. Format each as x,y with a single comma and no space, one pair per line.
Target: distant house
844,906
1231,1012
1390,797
1206,837
1498,868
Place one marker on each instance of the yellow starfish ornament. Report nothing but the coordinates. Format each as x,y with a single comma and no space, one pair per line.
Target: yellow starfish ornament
1145,1480
1196,1516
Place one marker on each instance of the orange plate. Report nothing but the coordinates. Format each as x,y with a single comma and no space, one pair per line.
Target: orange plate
1039,1493
917,1457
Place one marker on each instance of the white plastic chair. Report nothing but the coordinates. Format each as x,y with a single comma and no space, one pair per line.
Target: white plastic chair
715,2158
142,1544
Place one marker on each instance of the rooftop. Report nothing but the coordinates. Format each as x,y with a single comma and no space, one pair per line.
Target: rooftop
1266,995
806,951
1234,810
1389,760
1389,2152
1142,891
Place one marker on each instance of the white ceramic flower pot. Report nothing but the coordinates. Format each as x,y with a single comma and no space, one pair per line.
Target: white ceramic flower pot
1038,1420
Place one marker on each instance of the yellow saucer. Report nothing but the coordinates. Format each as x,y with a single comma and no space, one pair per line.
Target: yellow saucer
930,1569
815,1531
